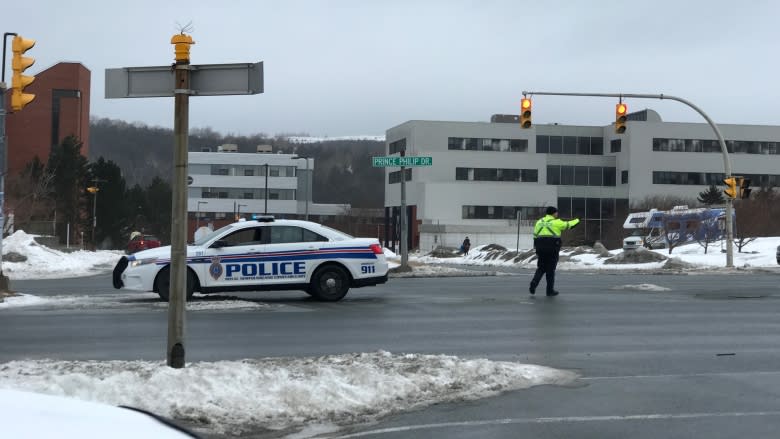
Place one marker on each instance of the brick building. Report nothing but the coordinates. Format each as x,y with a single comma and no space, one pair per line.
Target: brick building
60,109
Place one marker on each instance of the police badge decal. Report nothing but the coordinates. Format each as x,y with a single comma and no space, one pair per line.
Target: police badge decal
215,269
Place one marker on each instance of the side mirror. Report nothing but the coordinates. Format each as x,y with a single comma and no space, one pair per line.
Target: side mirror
220,243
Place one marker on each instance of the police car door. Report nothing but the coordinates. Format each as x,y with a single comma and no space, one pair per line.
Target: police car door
291,254
233,259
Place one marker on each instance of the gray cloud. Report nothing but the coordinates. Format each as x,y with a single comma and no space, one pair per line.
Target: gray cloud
354,67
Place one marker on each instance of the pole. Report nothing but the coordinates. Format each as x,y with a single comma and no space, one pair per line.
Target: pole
517,246
308,188
724,150
94,220
266,190
404,249
178,283
4,283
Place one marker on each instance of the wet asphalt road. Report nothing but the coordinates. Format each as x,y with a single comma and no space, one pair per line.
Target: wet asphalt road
700,359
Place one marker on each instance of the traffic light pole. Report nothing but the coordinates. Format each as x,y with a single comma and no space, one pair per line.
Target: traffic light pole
4,284
178,286
726,162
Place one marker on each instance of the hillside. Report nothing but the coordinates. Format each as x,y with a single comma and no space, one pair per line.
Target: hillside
343,171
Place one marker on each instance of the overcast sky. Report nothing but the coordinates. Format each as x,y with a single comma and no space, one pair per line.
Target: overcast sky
360,67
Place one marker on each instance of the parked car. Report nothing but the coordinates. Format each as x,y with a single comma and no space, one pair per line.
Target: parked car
139,241
263,254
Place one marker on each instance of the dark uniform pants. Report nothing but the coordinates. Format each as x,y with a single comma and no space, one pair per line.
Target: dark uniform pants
545,265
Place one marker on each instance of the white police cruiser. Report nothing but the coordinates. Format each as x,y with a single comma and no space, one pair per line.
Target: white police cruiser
263,254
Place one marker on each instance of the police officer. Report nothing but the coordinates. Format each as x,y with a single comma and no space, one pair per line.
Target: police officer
547,242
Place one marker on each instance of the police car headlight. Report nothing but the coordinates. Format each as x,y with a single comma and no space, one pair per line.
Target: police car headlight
138,262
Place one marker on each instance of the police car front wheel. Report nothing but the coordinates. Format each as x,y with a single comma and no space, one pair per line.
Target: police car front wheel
163,283
330,283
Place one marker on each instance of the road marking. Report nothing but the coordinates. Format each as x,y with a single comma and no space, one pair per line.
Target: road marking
682,375
645,417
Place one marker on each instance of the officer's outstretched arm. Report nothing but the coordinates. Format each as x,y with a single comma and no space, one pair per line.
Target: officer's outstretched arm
573,223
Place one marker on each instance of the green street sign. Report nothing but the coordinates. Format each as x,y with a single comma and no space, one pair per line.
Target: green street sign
386,162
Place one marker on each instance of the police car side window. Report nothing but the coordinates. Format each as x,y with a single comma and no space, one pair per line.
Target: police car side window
285,234
309,236
241,237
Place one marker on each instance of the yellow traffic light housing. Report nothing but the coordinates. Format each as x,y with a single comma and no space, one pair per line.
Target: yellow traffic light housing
525,113
744,188
731,187
19,81
181,48
621,110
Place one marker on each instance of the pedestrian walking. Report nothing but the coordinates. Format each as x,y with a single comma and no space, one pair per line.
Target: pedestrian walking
465,246
547,242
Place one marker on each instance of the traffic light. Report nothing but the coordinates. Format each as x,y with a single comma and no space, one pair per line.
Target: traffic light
744,188
620,118
92,189
525,113
731,187
19,81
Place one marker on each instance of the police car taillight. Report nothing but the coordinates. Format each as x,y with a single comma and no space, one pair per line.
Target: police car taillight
376,248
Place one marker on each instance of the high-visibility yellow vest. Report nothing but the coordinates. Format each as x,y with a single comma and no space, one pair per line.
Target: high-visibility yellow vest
551,227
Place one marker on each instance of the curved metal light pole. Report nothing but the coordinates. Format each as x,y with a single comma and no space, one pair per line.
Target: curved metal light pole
726,161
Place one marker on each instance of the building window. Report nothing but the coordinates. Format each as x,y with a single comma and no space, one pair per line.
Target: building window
581,145
699,145
615,145
708,178
569,145
581,175
249,172
623,177
496,174
485,144
553,174
502,212
542,144
220,170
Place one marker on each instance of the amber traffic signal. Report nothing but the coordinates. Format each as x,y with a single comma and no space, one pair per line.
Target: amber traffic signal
620,118
92,189
19,81
731,187
525,113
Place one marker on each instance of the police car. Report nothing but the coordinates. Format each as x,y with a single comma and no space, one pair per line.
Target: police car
263,254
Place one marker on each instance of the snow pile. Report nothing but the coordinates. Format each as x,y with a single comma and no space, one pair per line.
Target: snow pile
46,263
311,139
759,253
230,396
641,287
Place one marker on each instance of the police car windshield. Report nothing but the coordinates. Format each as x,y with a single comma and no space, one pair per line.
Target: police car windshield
205,238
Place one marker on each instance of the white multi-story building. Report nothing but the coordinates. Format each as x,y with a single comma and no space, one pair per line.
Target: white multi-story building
226,184
487,175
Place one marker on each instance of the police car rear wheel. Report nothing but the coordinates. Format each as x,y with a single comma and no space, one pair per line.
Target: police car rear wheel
163,283
330,283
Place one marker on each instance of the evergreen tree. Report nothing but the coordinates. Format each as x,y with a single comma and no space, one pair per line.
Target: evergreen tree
112,211
159,200
70,174
711,196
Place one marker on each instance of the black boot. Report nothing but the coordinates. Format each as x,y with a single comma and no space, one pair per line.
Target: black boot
532,288
552,293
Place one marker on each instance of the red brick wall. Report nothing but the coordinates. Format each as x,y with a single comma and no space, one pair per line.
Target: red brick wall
29,132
